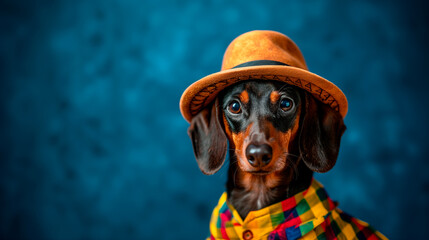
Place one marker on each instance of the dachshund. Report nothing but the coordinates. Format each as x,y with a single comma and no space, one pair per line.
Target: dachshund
277,136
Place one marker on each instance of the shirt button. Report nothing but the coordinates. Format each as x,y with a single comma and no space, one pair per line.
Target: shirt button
247,235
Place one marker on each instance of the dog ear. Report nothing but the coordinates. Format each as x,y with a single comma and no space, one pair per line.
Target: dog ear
208,139
321,131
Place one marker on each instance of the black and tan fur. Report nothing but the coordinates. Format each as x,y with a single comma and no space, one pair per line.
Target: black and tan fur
273,152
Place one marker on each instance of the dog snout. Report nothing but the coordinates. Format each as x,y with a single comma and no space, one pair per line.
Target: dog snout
259,155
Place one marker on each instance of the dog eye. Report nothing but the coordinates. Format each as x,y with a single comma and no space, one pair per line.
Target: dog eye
234,107
286,104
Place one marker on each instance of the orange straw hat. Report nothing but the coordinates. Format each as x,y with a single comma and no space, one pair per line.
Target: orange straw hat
261,55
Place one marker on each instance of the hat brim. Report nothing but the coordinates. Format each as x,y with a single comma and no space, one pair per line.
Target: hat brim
202,92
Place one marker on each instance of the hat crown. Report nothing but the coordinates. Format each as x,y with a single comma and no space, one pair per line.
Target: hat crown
263,45
261,56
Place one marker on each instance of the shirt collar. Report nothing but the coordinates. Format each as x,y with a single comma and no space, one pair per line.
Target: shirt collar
305,210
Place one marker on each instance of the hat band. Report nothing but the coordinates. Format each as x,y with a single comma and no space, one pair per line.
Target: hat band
259,63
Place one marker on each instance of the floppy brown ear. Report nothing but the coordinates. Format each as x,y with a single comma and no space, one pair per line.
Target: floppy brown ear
321,131
208,139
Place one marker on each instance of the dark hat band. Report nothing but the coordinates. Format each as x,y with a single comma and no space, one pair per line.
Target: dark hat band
259,63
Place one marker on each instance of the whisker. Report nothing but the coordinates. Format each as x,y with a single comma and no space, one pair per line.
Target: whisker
290,154
292,163
235,173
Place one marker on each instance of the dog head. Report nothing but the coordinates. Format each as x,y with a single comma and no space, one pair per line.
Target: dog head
266,124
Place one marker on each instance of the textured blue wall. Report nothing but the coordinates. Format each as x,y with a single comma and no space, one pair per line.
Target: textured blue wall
93,145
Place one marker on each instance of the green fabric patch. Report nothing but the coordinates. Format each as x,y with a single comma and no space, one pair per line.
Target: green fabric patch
305,228
321,193
322,236
277,219
302,207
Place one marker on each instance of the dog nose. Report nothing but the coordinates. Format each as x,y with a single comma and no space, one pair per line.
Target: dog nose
259,155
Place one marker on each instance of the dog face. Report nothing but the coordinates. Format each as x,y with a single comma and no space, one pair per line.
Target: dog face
261,120
266,123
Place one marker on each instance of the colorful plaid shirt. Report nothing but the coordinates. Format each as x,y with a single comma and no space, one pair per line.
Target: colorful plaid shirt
310,214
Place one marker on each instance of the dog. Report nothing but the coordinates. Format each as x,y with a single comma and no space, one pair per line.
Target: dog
279,125
275,143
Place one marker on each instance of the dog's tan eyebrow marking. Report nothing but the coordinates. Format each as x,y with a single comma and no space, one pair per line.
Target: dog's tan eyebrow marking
274,96
244,97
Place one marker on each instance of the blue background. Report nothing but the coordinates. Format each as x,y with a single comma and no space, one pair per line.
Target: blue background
93,145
